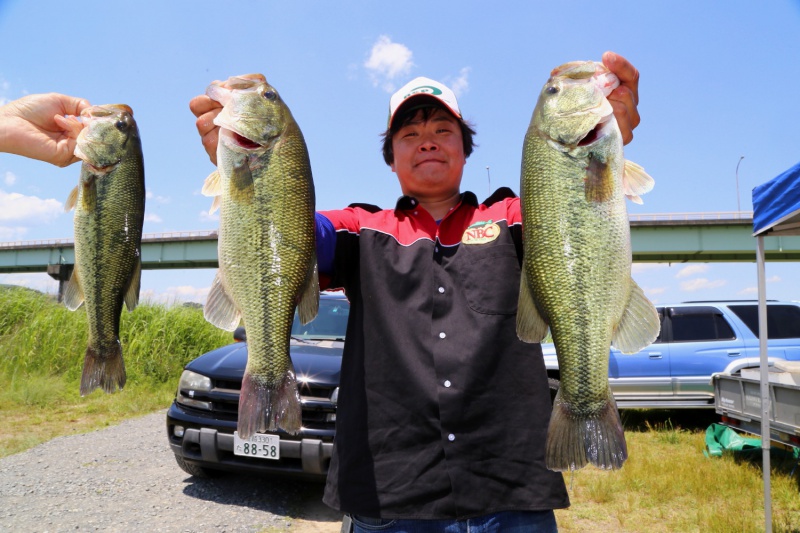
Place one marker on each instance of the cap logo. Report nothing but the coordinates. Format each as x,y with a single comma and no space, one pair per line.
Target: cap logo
424,89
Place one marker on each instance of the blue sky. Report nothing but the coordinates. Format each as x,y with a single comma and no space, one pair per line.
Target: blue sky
718,81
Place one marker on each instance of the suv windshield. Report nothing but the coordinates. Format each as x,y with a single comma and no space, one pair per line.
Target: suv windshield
783,321
330,323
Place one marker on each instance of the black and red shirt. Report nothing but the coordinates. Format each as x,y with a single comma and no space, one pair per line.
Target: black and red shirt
442,411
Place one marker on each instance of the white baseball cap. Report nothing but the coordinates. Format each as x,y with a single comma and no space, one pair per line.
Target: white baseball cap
424,87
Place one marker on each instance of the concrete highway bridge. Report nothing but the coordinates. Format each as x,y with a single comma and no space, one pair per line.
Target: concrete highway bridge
662,238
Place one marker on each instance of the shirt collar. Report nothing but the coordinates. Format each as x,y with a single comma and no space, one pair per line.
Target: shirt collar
406,203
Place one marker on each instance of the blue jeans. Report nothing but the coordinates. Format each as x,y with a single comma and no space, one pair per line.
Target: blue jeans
506,522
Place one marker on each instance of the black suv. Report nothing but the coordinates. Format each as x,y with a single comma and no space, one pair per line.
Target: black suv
202,419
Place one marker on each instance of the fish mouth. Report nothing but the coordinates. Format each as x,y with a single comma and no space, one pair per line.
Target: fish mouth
598,132
244,142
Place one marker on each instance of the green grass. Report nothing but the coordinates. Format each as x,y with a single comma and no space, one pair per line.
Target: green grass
43,346
666,485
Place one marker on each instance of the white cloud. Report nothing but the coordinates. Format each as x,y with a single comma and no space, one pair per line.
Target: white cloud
749,290
10,178
691,270
16,207
388,60
773,279
158,199
152,218
460,85
700,284
10,233
40,282
656,290
641,268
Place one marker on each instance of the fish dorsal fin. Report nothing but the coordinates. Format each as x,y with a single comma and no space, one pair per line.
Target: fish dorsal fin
531,327
635,182
213,185
73,292
132,294
72,199
220,309
639,325
308,306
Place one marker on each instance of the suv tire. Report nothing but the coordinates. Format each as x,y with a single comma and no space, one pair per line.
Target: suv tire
194,470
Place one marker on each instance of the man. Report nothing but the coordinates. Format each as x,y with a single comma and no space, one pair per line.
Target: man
443,411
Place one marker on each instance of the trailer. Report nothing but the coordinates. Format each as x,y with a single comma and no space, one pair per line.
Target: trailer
737,399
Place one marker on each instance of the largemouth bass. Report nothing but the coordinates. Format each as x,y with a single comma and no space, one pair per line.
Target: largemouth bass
267,257
576,276
109,213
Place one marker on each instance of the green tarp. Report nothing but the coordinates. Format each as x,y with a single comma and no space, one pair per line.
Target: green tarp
720,438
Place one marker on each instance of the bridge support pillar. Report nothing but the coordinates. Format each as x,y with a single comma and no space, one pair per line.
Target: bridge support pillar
61,273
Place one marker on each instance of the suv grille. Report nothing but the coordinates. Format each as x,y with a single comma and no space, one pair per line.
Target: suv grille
315,399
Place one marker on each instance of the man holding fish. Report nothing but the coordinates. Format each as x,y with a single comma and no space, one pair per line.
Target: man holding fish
443,411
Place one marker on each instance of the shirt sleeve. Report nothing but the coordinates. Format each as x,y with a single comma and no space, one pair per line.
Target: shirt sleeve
326,244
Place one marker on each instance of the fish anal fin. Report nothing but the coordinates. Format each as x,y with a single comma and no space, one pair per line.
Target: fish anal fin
220,309
531,327
73,292
308,305
132,294
639,325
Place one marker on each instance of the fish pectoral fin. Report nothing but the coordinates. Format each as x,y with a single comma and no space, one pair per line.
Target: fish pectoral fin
220,309
213,185
73,292
599,181
635,182
308,306
72,199
639,325
242,180
132,294
531,327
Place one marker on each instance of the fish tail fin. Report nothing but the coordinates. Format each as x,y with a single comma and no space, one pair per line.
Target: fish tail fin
268,408
574,440
103,368
531,327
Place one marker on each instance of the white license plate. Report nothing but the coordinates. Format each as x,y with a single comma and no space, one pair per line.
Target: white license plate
259,445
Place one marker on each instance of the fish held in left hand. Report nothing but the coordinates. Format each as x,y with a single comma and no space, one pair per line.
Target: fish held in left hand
576,277
109,214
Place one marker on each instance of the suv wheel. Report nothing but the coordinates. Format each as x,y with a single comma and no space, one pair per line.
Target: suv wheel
195,470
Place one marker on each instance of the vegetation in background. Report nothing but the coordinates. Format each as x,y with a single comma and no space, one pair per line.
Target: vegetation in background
43,345
666,485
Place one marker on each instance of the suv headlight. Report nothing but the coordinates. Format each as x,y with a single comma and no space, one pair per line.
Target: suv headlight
191,385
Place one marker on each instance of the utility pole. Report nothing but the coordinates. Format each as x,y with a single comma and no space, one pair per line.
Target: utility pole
738,204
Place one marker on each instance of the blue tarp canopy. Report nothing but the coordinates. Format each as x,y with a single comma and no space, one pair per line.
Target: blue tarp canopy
776,205
776,211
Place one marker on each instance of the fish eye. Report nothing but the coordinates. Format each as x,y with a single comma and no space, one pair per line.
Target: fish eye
122,124
270,95
552,90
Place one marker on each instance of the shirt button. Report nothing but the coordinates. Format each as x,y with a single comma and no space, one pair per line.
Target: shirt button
451,437
442,335
441,290
416,213
447,383
436,249
413,202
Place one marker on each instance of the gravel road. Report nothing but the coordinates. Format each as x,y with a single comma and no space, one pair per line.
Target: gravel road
124,478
